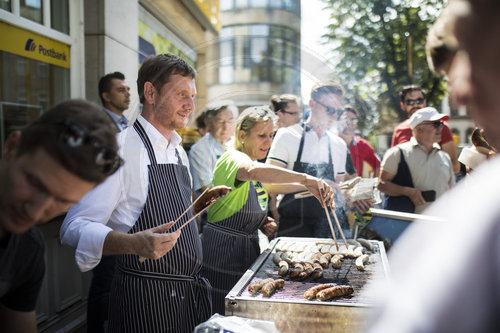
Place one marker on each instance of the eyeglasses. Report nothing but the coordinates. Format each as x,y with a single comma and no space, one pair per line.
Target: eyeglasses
330,110
437,124
418,101
75,135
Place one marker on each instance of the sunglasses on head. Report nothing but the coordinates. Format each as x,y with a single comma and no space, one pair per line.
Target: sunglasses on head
106,159
330,110
418,101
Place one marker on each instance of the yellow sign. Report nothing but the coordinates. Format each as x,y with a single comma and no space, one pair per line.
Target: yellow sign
34,46
210,8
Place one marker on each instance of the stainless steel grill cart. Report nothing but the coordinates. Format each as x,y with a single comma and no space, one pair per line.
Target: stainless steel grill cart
288,308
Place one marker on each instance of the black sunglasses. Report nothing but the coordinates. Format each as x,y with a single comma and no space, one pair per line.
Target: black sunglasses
437,124
76,135
330,110
418,101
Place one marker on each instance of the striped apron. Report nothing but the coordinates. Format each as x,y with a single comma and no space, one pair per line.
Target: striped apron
305,217
230,247
164,295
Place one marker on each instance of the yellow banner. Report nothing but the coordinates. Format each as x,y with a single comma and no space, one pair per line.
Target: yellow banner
34,46
210,8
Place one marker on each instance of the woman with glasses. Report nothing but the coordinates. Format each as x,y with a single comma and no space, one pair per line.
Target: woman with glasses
230,241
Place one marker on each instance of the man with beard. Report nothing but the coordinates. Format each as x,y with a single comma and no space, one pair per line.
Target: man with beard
129,214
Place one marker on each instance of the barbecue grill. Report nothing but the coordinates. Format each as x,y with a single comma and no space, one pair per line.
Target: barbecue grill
288,308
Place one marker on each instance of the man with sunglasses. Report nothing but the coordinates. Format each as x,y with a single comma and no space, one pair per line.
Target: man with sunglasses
46,167
419,165
413,99
312,148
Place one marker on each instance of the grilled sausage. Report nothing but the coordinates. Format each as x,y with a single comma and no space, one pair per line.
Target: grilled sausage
211,196
333,292
337,260
311,292
361,261
308,269
283,270
325,259
366,244
256,286
296,270
270,287
317,271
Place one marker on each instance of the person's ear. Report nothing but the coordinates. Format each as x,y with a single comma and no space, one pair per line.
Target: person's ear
311,102
402,105
105,97
149,92
241,135
11,144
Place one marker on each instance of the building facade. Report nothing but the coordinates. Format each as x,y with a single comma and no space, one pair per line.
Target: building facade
257,53
52,50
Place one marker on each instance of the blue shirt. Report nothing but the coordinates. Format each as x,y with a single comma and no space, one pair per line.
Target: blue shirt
120,121
203,156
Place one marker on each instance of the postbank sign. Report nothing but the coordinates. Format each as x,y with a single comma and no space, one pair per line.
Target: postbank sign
34,46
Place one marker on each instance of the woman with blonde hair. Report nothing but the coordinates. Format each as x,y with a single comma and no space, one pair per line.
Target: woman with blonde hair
230,241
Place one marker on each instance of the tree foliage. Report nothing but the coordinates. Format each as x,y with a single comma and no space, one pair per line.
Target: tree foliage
370,38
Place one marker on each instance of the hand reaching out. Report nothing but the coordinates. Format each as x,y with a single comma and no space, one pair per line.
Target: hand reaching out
326,196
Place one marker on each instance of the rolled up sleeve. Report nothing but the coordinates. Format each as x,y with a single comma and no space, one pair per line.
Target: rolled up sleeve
85,226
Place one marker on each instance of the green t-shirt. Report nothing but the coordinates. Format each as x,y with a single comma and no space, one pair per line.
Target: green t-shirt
225,174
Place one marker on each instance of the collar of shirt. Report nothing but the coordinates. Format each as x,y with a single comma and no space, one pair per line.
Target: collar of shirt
414,142
156,138
120,121
214,143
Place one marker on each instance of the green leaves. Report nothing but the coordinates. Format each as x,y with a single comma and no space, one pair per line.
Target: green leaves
370,40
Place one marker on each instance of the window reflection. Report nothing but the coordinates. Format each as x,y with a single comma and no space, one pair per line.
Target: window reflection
59,15
32,10
33,82
259,52
290,5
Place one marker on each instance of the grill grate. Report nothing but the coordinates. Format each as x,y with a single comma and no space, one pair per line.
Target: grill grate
294,289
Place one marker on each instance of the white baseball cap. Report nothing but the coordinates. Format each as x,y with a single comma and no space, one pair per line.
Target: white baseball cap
426,114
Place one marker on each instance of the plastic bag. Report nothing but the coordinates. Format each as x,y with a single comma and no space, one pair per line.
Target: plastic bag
233,324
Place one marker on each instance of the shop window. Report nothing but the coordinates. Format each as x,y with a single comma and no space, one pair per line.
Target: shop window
5,5
59,15
32,82
32,10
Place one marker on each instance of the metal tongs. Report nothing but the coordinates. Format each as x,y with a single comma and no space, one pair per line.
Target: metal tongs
321,188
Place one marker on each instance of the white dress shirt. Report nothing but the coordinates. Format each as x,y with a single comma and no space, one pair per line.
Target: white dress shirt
117,203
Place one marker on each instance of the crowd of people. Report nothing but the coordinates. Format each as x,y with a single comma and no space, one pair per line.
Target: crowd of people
125,184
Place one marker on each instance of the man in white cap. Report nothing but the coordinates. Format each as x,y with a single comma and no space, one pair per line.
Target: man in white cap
416,172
